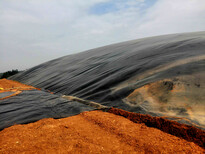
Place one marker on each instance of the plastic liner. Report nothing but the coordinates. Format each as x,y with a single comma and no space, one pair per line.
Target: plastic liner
33,105
4,94
96,71
99,74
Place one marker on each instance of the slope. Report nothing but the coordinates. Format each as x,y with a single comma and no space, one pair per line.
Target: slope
172,65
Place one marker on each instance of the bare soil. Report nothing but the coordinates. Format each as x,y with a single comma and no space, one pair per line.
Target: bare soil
91,132
13,86
186,132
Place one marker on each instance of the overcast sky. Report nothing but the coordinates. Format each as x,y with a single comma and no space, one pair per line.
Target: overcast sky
35,31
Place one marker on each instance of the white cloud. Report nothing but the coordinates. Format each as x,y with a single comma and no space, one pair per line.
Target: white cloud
35,31
172,16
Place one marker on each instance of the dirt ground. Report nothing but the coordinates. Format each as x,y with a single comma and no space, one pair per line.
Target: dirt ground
187,132
13,86
91,132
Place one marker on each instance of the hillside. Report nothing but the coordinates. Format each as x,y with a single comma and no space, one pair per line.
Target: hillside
79,103
159,76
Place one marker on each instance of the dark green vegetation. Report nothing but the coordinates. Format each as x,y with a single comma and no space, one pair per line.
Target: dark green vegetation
8,73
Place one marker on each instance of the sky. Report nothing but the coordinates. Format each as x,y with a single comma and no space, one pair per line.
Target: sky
36,31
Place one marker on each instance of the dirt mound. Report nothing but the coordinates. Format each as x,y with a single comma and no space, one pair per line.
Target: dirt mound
186,132
91,132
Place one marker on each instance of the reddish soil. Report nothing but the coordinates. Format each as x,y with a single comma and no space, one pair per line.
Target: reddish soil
91,132
13,86
186,132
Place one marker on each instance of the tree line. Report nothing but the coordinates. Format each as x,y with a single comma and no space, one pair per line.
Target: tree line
9,73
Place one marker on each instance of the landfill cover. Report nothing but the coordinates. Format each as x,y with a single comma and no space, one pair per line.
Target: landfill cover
160,76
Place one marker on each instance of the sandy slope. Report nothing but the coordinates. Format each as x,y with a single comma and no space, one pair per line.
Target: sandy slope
181,97
91,132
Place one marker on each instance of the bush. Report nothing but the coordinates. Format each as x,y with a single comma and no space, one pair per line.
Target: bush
9,73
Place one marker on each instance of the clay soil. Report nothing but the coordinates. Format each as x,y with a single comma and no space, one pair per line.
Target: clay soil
91,132
8,85
189,133
13,86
